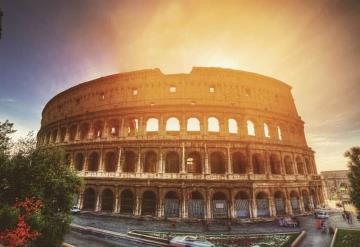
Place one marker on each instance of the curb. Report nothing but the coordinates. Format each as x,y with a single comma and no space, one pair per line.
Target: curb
299,239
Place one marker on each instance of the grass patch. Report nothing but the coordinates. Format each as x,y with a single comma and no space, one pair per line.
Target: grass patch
347,238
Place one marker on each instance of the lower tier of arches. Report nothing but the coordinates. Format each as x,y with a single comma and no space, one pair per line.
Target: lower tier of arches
201,202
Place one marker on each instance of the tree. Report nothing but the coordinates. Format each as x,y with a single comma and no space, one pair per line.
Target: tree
43,174
353,156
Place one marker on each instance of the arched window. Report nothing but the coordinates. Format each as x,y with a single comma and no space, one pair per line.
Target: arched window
213,124
173,124
217,163
266,131
110,162
172,163
233,127
193,163
279,132
193,124
93,162
152,124
250,128
150,162
130,161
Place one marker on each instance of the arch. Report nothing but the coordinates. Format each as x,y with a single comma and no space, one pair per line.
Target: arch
300,166
217,163
294,200
152,125
213,124
279,134
93,165
172,124
98,129
275,164
150,162
262,205
258,164
239,163
148,204
79,161
84,131
110,162
193,124
72,132
289,168
127,202
219,205
107,200
242,205
171,204
279,203
193,163
196,205
250,128
130,161
266,131
308,166
172,162
232,126
113,127
89,199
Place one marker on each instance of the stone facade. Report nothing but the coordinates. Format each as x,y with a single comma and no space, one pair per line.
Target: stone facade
214,143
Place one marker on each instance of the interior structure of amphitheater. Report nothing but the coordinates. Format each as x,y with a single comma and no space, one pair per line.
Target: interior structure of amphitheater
214,143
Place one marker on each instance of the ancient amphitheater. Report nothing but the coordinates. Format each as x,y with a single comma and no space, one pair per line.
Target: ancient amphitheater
214,143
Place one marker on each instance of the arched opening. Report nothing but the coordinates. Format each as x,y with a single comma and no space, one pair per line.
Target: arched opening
148,205
219,205
250,128
275,164
152,125
173,124
113,127
306,200
93,165
72,133
258,164
62,134
217,163
107,200
308,166
294,200
266,131
130,162
127,202
193,124
232,126
172,164
98,129
79,162
84,131
193,163
242,205
262,205
196,205
213,124
150,162
279,203
239,163
110,162
289,168
171,204
89,199
300,166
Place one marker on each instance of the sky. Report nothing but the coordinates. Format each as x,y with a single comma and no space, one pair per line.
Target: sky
314,46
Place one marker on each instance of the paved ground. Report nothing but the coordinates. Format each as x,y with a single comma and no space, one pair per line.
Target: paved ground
314,237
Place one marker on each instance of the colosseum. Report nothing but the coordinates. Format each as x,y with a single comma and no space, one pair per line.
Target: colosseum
214,143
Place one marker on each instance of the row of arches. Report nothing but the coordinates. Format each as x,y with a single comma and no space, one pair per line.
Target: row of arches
113,128
195,163
242,204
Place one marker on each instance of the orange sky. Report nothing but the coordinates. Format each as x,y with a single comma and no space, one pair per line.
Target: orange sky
312,45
